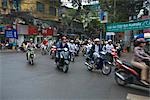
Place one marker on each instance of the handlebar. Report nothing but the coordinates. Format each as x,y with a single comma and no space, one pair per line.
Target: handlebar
62,49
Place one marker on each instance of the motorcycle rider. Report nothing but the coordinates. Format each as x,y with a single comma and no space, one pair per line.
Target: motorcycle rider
138,60
109,47
44,43
72,46
95,49
62,44
88,46
29,45
77,44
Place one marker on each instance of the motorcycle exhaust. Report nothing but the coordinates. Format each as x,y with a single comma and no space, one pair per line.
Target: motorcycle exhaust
120,76
87,64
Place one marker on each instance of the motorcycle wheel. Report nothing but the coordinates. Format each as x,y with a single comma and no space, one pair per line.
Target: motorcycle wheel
65,68
89,68
106,70
58,67
43,52
32,63
52,56
72,59
119,81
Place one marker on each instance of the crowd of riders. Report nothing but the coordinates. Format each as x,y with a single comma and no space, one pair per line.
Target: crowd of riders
92,49
141,53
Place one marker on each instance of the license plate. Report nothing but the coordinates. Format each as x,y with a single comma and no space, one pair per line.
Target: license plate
66,61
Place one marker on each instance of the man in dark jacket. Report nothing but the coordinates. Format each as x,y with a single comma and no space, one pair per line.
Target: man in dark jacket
96,48
62,44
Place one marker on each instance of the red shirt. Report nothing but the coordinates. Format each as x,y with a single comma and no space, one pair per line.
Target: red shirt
45,42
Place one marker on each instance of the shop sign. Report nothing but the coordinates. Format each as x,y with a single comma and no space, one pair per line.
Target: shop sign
11,34
47,32
121,27
32,30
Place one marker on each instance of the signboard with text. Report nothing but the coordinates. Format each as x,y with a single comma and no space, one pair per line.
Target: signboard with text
47,32
121,27
11,34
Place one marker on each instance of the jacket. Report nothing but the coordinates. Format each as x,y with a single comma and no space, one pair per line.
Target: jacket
140,55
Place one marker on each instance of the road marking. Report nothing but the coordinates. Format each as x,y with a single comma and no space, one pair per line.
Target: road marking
137,97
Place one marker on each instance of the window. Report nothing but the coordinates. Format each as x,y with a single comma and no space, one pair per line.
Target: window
4,3
52,11
40,7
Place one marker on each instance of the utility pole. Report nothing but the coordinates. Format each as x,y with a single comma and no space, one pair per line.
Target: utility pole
114,15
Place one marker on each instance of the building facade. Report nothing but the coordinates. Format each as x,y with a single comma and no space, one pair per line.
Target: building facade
42,9
31,18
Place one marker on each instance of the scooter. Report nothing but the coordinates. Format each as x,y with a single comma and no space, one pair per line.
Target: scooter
72,56
77,50
64,60
31,56
53,51
100,63
126,73
44,50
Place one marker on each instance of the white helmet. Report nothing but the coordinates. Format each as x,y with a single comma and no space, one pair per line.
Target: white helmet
31,39
97,40
109,40
71,41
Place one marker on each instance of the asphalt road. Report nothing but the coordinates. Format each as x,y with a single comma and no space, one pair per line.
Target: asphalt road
21,81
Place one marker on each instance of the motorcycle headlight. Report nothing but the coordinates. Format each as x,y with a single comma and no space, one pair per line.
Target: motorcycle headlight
32,55
65,49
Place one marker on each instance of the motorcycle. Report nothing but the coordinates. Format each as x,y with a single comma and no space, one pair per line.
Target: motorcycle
31,56
100,63
53,51
44,50
72,56
77,50
126,73
84,51
64,59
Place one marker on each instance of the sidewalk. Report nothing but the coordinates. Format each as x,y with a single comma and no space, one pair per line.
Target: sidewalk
9,51
137,97
13,51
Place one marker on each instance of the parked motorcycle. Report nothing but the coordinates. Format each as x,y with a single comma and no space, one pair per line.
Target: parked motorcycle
64,60
100,63
31,56
53,51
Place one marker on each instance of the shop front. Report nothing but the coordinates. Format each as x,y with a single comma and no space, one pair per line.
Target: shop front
130,29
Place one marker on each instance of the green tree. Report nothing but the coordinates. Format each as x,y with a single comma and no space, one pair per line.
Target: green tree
120,10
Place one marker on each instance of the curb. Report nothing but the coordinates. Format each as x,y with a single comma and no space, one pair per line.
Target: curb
8,51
